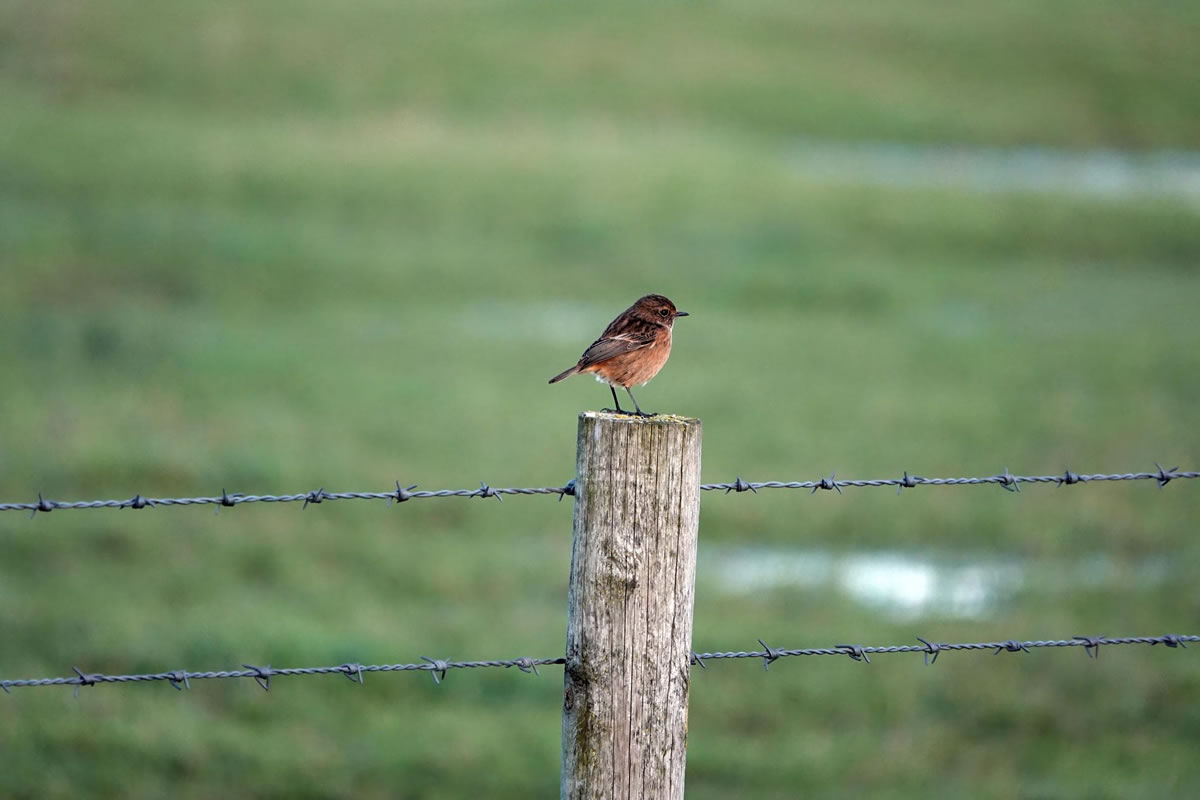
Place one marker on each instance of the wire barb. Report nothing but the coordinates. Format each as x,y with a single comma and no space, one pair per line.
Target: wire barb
261,675
137,502
827,484
1068,479
855,651
438,670
908,482
402,493
930,649
85,680
1165,476
526,664
770,655
741,486
487,491
1091,645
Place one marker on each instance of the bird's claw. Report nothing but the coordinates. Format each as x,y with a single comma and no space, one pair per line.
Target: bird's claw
624,413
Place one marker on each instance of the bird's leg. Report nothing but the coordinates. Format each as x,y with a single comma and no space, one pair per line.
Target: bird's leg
639,411
617,403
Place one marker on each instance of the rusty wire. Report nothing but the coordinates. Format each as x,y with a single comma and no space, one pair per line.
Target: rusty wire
402,493
262,675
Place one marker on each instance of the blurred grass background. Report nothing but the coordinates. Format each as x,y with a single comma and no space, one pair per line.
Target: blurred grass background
273,246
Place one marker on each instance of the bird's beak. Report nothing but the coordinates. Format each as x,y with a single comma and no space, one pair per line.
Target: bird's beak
681,313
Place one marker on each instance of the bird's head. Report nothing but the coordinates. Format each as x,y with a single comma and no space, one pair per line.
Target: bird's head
656,308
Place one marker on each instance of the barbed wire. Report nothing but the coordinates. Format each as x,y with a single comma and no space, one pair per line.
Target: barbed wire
402,494
229,499
1004,479
931,649
181,679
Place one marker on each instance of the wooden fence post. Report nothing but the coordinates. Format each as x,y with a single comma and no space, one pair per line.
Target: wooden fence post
630,601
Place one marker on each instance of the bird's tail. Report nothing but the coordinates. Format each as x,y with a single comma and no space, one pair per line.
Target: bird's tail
565,374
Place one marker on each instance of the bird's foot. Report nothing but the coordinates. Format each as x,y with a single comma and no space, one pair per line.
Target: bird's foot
620,411
644,414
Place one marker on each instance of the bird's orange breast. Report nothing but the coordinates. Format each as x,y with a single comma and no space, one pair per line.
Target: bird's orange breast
636,367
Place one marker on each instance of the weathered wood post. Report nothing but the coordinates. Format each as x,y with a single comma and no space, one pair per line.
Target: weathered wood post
630,601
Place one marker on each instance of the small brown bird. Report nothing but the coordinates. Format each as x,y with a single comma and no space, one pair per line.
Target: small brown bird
632,349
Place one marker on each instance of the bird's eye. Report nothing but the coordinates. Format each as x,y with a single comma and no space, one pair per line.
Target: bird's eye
662,312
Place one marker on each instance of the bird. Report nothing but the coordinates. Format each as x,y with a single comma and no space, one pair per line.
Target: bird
632,349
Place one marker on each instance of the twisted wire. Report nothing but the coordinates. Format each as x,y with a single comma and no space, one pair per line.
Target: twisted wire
931,649
181,679
1004,479
402,494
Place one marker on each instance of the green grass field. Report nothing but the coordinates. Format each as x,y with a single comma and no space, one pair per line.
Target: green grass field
272,247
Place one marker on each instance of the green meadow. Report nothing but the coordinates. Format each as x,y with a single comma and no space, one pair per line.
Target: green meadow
272,247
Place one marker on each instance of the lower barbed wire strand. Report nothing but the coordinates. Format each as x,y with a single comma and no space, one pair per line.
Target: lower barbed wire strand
525,664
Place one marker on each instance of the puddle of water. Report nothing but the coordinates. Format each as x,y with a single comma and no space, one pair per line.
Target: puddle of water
1112,173
908,586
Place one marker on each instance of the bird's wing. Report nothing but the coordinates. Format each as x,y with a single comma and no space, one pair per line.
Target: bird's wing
607,347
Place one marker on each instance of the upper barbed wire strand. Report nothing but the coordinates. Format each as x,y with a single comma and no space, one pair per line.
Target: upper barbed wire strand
401,494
